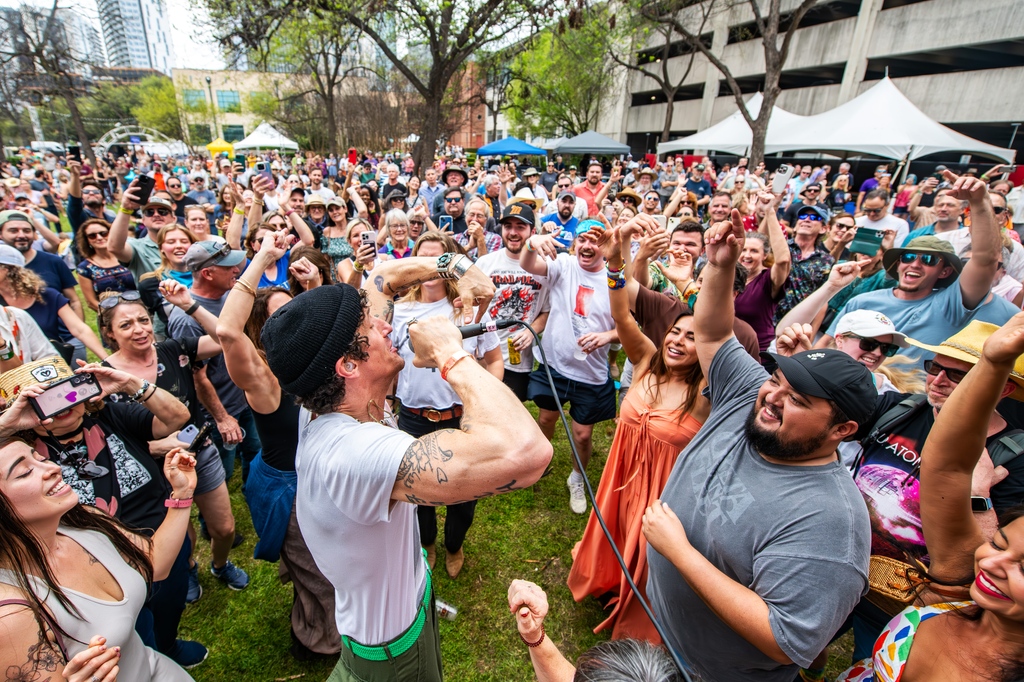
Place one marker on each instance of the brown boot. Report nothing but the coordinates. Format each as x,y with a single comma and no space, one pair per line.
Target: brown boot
453,563
431,555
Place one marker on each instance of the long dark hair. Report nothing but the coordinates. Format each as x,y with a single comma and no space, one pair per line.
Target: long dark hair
660,372
23,554
260,314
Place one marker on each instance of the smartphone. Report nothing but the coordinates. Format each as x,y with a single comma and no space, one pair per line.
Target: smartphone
662,221
240,158
263,169
146,185
867,241
444,223
64,394
75,153
782,177
609,212
673,222
200,438
368,237
188,434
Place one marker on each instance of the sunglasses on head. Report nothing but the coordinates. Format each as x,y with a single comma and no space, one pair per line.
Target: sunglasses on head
150,212
809,216
868,345
925,258
934,368
94,235
124,296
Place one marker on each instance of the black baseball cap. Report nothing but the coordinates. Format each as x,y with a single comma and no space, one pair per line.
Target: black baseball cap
830,374
517,211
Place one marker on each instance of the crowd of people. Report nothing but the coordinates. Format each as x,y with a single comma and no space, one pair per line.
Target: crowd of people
818,415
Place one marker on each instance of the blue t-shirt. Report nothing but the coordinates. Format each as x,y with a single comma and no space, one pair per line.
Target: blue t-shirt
926,231
567,230
53,270
702,188
45,314
930,320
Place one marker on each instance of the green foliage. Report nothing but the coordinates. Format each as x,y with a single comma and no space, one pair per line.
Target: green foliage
563,82
160,109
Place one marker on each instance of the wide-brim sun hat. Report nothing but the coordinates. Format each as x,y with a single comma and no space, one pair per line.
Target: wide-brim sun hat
42,371
926,244
966,346
525,196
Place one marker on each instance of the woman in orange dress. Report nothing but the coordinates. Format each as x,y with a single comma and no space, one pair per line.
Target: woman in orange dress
661,412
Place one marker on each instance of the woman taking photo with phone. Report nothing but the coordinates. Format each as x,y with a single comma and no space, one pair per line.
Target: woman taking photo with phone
72,579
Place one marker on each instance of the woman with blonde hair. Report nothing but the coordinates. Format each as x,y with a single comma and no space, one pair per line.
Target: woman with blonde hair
428,403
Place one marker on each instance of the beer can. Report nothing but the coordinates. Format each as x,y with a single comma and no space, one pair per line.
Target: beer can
514,357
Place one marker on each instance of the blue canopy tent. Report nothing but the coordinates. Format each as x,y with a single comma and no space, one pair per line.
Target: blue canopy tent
510,146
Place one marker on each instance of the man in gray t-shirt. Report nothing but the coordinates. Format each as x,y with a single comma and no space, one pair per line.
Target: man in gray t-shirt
769,553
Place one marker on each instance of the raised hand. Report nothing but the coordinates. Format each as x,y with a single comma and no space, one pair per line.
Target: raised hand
1006,344
261,186
307,273
966,187
545,245
180,471
530,604
846,272
130,196
475,289
794,338
652,246
723,241
176,293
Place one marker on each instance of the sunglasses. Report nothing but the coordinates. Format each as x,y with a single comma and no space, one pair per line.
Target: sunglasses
94,235
150,212
844,226
170,186
869,345
91,191
452,200
629,200
811,191
84,467
417,222
934,368
813,217
998,210
565,186
874,210
124,297
925,258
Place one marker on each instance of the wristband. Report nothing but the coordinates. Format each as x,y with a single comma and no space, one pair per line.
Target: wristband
192,308
452,361
6,351
357,266
616,271
147,397
616,282
536,644
172,503
141,392
529,246
122,209
238,211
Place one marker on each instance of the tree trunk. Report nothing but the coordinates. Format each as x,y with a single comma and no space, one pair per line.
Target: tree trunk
666,129
332,125
494,127
423,153
759,131
76,120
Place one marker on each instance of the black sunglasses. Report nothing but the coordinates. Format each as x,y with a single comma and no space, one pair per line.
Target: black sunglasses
94,235
451,200
170,186
926,258
78,457
150,212
998,210
813,217
630,200
868,345
112,301
934,368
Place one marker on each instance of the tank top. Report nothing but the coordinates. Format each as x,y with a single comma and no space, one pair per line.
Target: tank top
279,433
115,620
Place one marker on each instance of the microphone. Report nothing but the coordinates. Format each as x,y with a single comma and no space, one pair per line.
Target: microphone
471,330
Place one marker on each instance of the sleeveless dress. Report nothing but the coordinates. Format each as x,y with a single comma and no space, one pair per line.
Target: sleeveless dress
892,648
641,458
115,620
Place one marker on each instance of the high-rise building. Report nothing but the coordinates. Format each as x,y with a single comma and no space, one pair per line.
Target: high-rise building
83,39
137,34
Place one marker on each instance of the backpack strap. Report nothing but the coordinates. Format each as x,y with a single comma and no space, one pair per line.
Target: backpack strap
897,415
48,619
1007,448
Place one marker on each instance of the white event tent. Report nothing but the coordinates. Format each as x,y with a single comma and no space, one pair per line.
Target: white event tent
732,134
266,136
881,121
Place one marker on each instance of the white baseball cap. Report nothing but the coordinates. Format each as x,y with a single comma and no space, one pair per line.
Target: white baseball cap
869,324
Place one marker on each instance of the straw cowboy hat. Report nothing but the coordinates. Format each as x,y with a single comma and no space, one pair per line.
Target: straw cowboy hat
966,346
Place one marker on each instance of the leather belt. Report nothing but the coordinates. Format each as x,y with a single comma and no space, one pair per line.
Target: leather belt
432,415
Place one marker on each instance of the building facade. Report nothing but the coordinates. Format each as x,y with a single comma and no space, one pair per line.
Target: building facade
137,34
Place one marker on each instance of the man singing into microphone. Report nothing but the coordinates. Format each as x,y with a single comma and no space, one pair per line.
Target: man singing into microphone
360,479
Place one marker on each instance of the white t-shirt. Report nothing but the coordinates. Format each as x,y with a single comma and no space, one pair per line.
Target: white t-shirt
325,193
423,387
579,305
519,295
30,344
888,222
367,546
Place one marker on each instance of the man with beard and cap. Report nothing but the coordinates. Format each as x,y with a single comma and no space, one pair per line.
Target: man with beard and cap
936,293
520,295
580,328
139,254
454,178
562,224
360,479
759,547
85,200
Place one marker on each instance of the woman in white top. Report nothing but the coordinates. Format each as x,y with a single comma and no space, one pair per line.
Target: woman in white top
428,402
21,339
72,579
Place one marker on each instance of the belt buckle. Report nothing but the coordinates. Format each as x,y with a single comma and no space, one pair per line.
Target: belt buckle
432,415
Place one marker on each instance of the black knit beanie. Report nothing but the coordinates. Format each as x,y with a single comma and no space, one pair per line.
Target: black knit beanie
305,337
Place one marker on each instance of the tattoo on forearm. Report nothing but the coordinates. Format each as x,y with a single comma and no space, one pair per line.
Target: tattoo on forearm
423,456
415,500
42,659
378,282
508,487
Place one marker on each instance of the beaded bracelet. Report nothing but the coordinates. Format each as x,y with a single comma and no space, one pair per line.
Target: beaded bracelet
536,644
616,282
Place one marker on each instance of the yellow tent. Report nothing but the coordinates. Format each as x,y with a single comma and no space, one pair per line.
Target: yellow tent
219,146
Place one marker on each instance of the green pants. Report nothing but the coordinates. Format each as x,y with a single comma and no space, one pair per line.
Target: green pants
421,663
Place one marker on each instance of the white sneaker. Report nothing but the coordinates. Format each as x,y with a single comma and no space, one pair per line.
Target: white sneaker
577,500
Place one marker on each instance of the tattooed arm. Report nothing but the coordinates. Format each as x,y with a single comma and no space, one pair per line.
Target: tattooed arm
392,278
499,448
27,654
